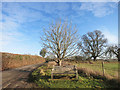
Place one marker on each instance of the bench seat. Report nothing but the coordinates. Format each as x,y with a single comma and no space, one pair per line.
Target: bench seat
69,69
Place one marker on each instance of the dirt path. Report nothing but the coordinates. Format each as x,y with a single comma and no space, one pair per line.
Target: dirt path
17,78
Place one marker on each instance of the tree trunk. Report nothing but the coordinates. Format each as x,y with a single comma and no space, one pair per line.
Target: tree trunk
59,62
94,58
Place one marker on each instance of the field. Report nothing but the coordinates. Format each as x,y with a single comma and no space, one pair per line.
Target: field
90,76
111,68
16,60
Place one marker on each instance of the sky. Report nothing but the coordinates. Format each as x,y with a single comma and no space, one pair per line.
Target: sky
23,22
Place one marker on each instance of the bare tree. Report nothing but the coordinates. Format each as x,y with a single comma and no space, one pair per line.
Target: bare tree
112,50
43,52
61,40
93,44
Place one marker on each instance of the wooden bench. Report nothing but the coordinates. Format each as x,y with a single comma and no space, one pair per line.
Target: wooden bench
69,69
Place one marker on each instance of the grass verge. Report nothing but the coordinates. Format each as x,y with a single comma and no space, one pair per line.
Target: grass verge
41,77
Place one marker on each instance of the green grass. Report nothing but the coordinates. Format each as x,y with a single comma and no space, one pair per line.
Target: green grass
41,77
110,68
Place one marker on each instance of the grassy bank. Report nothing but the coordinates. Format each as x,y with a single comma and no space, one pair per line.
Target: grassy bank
16,60
41,77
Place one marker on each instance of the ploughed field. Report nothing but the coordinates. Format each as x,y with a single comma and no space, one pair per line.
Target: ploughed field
89,76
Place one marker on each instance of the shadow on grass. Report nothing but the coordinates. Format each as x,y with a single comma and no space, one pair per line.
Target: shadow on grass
64,77
31,78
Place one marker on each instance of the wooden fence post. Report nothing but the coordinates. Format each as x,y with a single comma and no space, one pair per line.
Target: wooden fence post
52,72
76,71
103,69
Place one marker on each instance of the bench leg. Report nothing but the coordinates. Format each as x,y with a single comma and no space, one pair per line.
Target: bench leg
51,75
76,74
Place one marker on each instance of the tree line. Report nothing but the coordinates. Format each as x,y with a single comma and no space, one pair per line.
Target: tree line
61,41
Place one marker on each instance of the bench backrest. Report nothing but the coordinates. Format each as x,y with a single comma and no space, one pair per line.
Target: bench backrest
64,69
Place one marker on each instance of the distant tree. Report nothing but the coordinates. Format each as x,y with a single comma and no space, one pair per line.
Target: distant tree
112,50
61,40
92,44
43,52
79,58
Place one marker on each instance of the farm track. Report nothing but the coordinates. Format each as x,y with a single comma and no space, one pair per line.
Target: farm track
18,77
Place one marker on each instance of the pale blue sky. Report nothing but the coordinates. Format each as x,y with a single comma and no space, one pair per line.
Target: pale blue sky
23,22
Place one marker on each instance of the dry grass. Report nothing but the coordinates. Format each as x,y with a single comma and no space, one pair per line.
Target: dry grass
51,63
94,69
111,68
98,75
90,72
16,60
